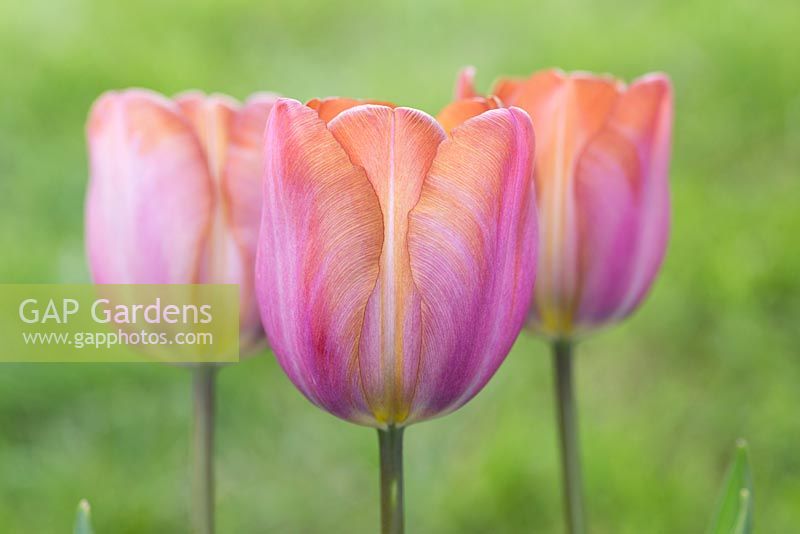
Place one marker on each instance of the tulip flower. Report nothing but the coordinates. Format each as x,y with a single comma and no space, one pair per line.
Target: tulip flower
601,179
174,198
392,266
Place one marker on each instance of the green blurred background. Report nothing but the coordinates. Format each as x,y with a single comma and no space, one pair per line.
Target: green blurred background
711,356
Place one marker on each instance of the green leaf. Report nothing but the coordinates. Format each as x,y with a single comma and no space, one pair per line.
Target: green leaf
734,513
83,523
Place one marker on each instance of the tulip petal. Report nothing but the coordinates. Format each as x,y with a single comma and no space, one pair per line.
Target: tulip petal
244,169
318,257
232,138
396,148
623,194
568,111
241,193
329,108
507,89
460,111
606,208
471,240
212,119
465,84
150,192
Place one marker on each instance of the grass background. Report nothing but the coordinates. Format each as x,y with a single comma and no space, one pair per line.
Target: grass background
711,356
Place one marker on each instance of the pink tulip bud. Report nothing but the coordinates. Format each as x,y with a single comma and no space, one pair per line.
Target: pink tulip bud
392,260
174,195
602,161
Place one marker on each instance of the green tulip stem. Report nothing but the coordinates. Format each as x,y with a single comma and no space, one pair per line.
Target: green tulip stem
204,376
390,442
568,434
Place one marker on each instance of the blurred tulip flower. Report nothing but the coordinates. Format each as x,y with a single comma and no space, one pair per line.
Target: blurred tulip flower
174,198
392,266
602,160
174,195
601,176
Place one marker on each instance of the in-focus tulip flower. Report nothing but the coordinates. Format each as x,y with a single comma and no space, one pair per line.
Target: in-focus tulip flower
392,266
174,198
602,160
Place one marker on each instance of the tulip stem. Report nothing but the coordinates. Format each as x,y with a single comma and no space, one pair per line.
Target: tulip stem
568,434
204,376
390,442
